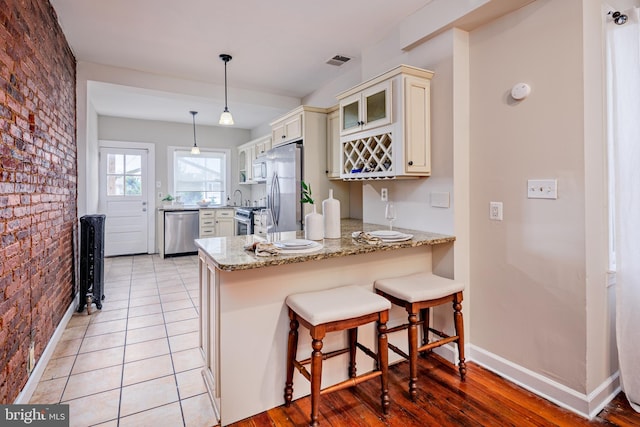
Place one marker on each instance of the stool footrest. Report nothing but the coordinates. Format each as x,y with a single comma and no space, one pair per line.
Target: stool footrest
438,333
367,351
406,326
398,351
300,367
326,356
350,382
437,343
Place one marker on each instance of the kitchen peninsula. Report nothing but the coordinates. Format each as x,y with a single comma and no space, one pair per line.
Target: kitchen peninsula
243,317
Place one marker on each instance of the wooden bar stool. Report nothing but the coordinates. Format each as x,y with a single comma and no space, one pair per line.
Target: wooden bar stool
417,293
333,310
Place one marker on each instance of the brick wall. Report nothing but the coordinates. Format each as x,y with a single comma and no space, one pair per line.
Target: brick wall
37,184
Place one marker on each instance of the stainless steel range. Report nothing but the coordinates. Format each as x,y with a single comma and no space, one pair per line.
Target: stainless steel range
244,219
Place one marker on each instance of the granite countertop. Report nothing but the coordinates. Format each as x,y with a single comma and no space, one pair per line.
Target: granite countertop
228,253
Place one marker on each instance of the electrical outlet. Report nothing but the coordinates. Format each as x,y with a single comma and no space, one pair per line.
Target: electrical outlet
495,211
159,195
384,194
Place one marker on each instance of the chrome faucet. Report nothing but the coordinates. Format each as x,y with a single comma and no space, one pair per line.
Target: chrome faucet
234,198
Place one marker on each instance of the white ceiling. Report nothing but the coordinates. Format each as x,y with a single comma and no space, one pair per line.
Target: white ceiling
279,48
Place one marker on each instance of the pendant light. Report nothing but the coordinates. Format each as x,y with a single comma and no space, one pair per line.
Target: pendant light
194,149
225,118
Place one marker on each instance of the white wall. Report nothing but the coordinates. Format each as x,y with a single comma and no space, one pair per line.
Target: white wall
166,134
531,265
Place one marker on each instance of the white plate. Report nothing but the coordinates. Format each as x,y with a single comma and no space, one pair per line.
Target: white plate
400,238
288,250
386,234
294,243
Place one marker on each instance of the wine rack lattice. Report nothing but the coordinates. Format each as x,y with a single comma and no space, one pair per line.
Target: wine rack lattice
369,157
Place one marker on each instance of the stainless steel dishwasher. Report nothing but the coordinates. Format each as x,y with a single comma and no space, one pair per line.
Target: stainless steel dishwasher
180,230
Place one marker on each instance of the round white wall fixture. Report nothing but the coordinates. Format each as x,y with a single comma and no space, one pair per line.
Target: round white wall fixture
520,91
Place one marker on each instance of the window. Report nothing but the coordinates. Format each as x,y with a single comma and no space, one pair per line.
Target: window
124,175
200,176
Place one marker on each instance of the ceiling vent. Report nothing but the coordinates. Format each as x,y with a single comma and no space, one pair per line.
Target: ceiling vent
338,60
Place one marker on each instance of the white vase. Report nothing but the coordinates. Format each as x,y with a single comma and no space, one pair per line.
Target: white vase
313,225
331,214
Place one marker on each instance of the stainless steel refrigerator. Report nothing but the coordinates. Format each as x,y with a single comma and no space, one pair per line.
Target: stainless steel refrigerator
284,172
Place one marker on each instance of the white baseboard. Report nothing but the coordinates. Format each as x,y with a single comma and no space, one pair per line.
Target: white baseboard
587,406
30,387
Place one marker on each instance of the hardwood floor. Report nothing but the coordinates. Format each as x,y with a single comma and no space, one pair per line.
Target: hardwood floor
484,399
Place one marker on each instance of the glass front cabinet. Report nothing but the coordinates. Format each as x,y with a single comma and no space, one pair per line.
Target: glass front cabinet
366,110
385,127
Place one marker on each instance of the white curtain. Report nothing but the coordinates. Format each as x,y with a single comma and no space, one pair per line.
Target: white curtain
623,71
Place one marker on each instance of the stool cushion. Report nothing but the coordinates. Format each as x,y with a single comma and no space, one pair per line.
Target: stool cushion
419,287
335,304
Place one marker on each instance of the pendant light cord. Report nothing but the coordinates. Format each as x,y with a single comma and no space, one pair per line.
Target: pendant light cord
193,114
225,85
226,58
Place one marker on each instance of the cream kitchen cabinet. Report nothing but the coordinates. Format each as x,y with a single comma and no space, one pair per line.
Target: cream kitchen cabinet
207,223
224,223
334,154
262,145
366,109
247,153
399,145
288,128
216,222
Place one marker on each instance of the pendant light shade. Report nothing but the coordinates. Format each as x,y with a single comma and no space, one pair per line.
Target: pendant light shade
225,118
194,149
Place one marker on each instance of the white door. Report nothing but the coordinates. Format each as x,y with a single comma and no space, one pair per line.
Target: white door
124,200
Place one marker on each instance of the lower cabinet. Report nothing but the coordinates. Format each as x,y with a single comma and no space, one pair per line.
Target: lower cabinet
216,223
207,223
224,223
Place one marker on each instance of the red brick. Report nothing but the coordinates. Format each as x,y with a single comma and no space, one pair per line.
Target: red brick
37,155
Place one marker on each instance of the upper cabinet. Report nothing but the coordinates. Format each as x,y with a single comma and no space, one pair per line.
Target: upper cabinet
244,164
385,128
334,154
262,145
366,109
247,153
288,128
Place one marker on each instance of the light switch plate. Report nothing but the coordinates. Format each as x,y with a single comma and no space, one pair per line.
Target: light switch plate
440,200
542,189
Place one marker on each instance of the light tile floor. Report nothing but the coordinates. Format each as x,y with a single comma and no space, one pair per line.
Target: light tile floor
136,362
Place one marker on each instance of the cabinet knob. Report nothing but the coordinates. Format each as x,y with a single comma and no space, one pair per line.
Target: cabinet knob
284,136
410,162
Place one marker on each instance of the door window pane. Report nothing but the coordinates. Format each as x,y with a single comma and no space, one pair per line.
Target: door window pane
115,163
133,164
134,186
115,186
124,175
